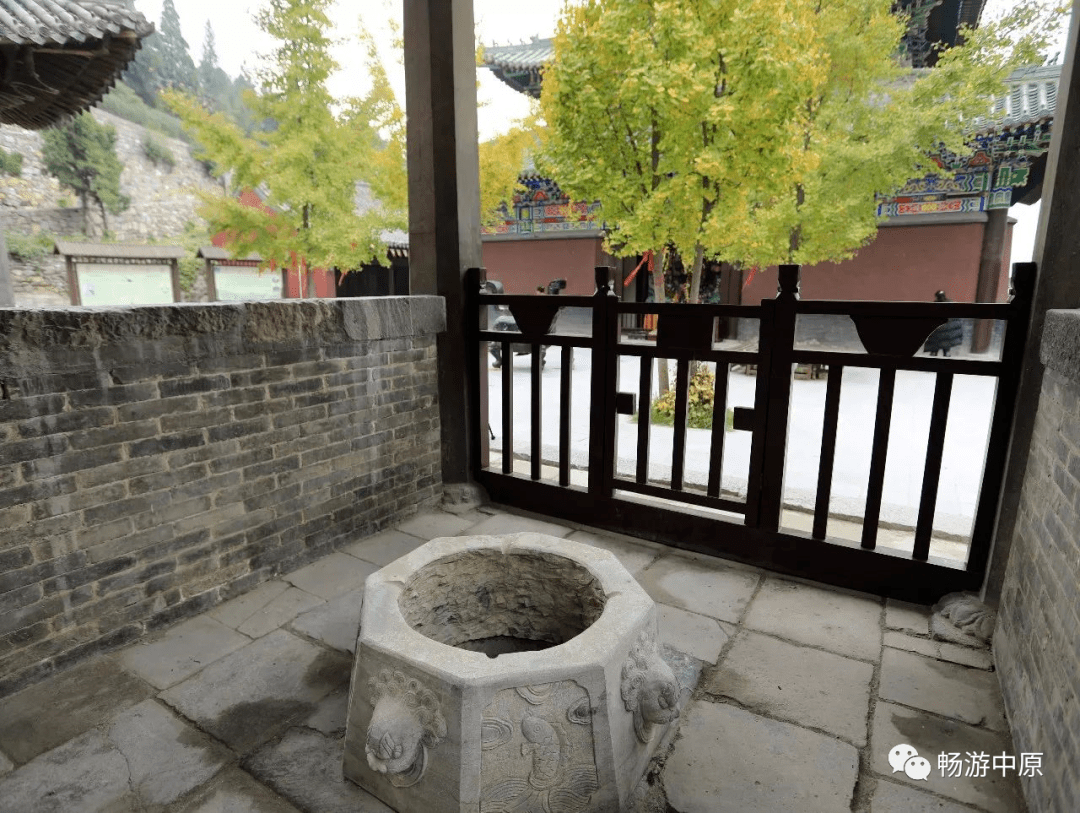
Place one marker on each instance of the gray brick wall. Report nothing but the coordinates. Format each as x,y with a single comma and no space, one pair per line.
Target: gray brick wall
156,461
1037,641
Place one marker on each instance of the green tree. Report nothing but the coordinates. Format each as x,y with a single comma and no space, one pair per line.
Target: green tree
82,155
177,70
759,130
308,166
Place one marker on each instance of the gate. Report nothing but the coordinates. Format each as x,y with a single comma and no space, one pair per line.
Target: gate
704,517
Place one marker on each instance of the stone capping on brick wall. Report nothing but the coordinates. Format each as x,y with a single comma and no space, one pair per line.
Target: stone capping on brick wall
1060,348
30,339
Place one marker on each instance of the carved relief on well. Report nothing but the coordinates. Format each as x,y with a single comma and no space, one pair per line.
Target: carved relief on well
650,690
537,750
406,722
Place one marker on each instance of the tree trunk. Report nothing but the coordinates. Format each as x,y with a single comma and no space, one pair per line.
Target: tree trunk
660,292
7,288
695,292
85,205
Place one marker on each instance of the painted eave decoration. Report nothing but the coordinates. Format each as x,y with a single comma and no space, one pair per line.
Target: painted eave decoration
59,57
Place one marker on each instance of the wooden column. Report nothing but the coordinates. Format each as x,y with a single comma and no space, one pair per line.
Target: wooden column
1057,244
211,282
174,277
991,257
444,196
72,280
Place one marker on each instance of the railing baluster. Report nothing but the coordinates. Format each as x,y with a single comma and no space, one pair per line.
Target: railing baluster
508,409
828,451
644,416
534,456
886,385
719,427
939,416
564,414
678,451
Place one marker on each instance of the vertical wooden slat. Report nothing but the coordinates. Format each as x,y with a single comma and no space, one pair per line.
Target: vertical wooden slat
828,450
886,385
644,416
939,416
507,408
534,397
678,452
719,429
564,414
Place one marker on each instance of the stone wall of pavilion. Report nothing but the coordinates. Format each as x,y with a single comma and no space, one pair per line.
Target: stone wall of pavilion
1037,641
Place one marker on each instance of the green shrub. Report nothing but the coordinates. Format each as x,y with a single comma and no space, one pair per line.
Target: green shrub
11,163
124,102
29,248
157,151
699,407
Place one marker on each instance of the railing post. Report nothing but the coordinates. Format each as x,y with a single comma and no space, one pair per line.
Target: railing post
776,343
605,337
1001,426
476,370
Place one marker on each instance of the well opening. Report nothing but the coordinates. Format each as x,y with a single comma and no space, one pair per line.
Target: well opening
496,603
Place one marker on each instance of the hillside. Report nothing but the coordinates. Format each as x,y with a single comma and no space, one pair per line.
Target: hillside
163,203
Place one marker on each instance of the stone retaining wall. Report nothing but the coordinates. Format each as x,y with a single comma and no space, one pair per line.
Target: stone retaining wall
1037,641
155,461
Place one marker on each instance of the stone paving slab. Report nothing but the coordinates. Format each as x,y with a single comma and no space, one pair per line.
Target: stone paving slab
235,612
633,557
942,650
847,624
234,791
53,711
330,714
384,548
719,592
335,623
144,760
283,608
694,634
969,695
902,615
332,575
500,524
892,798
6,764
728,759
930,736
250,695
181,651
433,524
816,689
305,768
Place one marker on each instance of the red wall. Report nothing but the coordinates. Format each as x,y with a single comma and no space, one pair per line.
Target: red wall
325,286
904,263
521,265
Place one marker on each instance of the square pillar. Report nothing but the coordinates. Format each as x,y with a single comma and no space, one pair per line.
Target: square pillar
444,195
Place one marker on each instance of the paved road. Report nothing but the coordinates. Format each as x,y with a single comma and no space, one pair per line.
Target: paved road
965,441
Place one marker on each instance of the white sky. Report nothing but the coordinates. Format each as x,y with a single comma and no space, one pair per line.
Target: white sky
498,22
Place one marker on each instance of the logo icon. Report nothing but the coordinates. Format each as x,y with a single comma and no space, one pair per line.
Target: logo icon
905,758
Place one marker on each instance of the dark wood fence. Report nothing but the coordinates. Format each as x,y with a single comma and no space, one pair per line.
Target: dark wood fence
891,332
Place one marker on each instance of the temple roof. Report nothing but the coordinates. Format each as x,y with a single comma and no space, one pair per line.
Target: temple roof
520,66
59,57
1031,99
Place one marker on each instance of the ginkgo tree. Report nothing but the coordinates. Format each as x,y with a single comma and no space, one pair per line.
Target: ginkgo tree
759,131
306,163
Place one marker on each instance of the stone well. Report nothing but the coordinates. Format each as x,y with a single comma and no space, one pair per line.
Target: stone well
514,673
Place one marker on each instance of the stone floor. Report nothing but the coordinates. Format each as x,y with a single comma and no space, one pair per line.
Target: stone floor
801,692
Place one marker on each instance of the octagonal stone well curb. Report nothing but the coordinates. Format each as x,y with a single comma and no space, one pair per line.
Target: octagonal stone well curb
435,724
